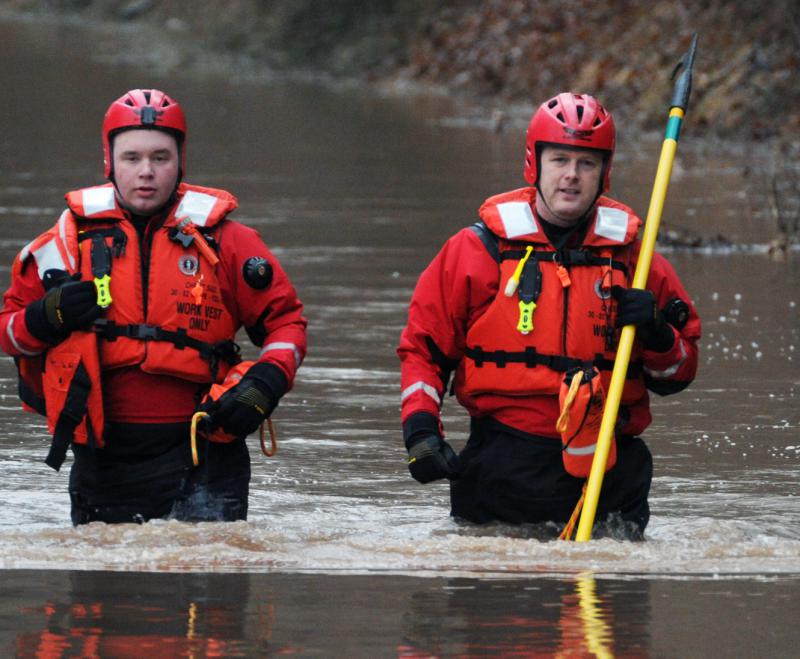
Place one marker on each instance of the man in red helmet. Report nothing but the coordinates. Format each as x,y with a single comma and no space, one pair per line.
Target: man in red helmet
519,306
122,316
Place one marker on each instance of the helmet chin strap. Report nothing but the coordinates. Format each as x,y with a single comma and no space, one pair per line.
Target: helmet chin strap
566,220
124,206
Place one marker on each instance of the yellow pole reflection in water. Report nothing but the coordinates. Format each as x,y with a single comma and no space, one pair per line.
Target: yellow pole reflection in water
190,633
584,621
597,632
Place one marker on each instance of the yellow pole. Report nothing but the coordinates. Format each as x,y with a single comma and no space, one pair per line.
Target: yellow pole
680,101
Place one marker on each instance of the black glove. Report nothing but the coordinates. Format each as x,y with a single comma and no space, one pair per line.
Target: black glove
243,408
638,307
69,304
429,456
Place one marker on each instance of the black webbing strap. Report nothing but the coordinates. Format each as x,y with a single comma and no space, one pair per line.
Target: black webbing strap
566,257
531,358
445,364
119,239
75,407
26,393
490,241
211,352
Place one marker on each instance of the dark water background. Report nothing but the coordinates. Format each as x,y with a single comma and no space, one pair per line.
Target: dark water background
343,554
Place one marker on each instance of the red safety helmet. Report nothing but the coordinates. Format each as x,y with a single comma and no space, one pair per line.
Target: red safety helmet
576,120
143,108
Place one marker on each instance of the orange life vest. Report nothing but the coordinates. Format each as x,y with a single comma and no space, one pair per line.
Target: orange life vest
560,315
177,324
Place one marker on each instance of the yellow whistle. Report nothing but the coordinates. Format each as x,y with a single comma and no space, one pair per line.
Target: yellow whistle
103,286
525,324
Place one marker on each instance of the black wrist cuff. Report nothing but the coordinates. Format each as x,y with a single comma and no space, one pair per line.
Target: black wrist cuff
660,340
418,426
269,379
36,322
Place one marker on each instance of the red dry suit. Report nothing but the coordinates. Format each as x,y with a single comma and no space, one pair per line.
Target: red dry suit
460,319
169,330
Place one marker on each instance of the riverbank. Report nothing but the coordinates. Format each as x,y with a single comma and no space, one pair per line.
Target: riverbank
744,110
496,53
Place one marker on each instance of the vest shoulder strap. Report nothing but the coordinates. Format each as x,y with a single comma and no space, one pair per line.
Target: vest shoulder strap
490,240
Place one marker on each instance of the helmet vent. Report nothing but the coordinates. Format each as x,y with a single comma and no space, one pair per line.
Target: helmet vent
569,119
147,97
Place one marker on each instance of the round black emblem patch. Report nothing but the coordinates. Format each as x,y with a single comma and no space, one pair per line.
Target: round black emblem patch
257,272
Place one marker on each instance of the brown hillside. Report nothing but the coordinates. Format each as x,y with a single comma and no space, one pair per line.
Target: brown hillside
505,51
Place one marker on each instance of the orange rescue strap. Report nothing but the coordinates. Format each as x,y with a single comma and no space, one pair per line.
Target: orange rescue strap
563,420
561,426
566,534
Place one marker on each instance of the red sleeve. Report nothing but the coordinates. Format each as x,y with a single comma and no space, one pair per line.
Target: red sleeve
673,370
26,287
453,290
272,316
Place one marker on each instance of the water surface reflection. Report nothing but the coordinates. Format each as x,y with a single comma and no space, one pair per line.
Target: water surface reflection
119,614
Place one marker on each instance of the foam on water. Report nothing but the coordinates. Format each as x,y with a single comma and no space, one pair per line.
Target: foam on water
340,536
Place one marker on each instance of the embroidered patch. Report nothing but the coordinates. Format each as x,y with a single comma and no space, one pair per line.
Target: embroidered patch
599,292
188,265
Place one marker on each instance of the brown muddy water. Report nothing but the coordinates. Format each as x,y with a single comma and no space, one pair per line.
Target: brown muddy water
343,554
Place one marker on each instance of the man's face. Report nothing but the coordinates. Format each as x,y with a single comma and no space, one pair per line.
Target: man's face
569,180
146,168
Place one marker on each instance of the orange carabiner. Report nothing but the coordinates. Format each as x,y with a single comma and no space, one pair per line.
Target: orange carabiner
273,437
193,435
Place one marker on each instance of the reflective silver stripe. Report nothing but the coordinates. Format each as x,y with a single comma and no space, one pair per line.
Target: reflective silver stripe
421,386
97,200
48,258
581,450
280,345
197,206
62,222
10,332
672,370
